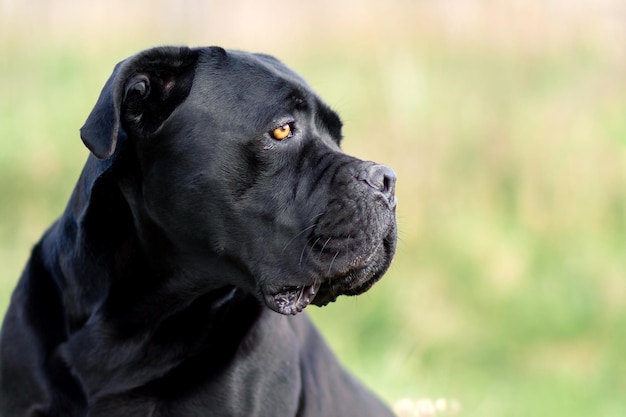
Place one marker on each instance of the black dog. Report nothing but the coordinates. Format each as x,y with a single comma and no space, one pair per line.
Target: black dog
216,188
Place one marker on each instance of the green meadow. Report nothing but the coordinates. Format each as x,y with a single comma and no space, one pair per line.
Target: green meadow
508,290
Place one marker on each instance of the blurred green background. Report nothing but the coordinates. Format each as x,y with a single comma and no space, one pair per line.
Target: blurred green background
504,120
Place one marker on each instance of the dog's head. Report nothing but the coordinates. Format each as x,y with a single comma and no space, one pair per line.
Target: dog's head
240,160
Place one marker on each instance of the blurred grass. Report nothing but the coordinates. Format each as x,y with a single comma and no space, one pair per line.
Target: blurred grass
508,291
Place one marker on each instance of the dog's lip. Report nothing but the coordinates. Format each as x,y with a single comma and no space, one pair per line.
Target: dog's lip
356,279
291,300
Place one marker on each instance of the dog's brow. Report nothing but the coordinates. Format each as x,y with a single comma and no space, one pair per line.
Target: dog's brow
298,100
326,117
331,121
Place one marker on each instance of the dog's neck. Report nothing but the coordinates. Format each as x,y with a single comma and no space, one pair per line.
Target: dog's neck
116,243
115,288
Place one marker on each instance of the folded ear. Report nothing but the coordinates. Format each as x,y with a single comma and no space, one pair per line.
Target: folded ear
101,131
138,97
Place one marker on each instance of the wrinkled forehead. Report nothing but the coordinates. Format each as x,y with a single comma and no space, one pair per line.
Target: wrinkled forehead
257,85
273,66
247,75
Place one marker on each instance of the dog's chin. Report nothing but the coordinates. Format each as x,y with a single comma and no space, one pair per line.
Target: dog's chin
330,292
291,300
361,275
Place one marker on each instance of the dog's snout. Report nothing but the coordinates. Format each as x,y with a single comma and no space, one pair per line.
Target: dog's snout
381,178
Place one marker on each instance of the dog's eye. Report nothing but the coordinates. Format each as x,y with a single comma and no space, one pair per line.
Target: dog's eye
282,132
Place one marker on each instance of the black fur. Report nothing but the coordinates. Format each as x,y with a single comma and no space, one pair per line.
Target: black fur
158,291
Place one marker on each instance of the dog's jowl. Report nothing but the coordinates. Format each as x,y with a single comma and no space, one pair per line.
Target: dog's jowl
216,204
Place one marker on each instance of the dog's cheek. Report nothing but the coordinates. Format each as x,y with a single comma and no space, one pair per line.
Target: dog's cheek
182,211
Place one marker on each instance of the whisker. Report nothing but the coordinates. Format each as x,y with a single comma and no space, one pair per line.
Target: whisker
300,295
325,243
304,250
298,234
318,215
332,262
303,230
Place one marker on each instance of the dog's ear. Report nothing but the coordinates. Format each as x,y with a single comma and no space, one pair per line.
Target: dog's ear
138,97
101,131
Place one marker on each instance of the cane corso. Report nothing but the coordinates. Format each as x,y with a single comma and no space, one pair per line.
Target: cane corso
216,204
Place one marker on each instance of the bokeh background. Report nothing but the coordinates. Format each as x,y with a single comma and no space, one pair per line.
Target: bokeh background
504,120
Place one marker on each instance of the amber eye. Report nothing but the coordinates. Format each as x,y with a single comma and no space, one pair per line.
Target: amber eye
281,132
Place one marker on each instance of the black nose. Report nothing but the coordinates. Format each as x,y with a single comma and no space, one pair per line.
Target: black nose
381,178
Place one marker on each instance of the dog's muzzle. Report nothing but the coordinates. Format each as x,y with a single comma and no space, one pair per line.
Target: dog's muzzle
359,267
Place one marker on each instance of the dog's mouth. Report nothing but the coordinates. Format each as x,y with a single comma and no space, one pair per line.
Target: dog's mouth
363,273
291,300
